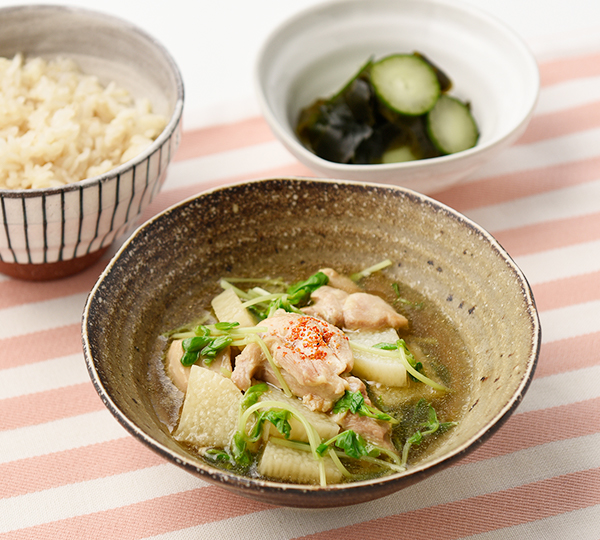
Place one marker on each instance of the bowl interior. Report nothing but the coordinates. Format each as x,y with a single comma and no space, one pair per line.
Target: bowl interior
315,53
170,268
102,45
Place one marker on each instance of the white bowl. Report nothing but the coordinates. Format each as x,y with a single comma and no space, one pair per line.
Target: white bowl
54,232
314,53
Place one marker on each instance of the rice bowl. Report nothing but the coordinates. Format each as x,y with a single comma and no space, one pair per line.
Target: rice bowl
56,231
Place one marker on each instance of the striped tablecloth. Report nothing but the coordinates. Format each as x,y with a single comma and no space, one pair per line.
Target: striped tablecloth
69,471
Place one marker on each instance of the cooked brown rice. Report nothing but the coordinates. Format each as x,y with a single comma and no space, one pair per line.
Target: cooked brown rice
59,126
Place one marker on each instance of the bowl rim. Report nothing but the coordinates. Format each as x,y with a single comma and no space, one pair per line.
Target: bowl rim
163,137
312,493
341,168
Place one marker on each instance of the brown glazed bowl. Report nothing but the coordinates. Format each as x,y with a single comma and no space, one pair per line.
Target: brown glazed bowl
170,267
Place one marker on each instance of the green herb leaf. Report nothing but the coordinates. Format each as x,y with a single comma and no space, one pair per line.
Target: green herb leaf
386,346
195,344
241,455
350,401
431,425
352,444
300,292
322,448
189,358
215,454
279,418
226,326
253,393
354,402
204,345
210,352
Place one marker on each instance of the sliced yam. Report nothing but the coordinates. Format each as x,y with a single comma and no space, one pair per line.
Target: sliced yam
228,308
210,410
373,367
180,374
291,465
323,424
395,397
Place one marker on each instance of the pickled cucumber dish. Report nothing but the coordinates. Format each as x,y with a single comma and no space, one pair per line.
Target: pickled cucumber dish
335,378
394,109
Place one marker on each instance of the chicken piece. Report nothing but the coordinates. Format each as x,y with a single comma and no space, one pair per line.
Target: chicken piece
377,432
311,355
339,281
180,374
356,311
328,305
368,311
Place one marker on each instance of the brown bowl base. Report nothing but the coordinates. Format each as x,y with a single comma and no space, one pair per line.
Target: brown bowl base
49,271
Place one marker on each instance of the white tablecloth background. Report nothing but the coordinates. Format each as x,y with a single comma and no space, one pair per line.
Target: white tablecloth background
69,471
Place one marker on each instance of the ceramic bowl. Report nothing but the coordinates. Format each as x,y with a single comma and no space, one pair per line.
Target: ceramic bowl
313,54
54,232
170,268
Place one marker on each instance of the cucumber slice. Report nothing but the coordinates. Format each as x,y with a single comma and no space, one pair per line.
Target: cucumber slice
451,126
398,154
405,83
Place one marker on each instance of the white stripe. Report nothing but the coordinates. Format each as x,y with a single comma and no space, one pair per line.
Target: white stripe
561,389
39,316
453,484
568,94
231,163
575,525
97,495
561,263
570,202
525,157
571,321
59,435
42,376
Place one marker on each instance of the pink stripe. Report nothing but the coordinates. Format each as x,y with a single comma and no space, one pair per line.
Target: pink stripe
475,515
30,348
535,428
152,517
568,291
478,515
557,124
43,407
14,292
512,186
73,466
214,139
550,235
567,68
568,355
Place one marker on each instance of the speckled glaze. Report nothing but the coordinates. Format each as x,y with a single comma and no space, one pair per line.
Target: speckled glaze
170,267
55,232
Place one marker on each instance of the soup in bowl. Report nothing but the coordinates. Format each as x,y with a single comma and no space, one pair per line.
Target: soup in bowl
311,342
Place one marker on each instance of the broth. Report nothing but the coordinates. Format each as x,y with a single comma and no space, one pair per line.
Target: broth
430,337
